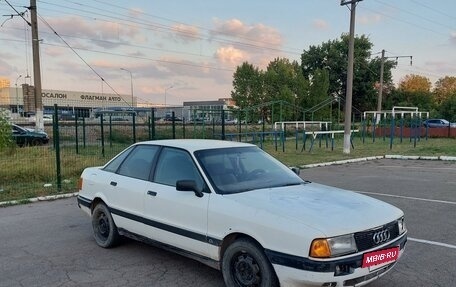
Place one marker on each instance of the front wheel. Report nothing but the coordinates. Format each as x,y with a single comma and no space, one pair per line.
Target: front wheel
244,264
104,229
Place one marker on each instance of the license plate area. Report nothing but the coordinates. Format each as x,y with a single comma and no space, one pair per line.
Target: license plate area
380,257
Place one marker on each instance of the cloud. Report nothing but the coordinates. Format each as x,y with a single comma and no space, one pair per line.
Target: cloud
136,12
54,51
5,68
231,55
101,33
442,67
257,34
185,33
369,19
453,38
320,24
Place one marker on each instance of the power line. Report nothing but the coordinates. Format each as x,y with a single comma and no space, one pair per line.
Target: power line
161,28
82,59
18,14
404,21
433,9
415,15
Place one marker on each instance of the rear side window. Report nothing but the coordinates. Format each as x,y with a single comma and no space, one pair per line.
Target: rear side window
138,164
113,166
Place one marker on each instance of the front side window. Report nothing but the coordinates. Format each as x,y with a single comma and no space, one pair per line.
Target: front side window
175,164
138,164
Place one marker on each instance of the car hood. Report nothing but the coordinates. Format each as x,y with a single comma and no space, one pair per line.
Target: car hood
35,132
331,210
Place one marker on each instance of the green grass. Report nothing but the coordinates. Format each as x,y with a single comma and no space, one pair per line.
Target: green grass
24,172
293,157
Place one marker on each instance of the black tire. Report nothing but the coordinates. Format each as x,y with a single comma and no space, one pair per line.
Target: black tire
104,229
245,264
36,142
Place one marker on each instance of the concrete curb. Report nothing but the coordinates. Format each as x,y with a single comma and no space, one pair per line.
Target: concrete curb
388,156
36,199
339,162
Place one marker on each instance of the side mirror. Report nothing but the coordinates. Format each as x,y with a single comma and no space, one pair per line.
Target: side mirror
188,185
296,170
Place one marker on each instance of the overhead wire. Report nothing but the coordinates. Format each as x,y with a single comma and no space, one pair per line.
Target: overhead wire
414,14
82,59
433,9
161,28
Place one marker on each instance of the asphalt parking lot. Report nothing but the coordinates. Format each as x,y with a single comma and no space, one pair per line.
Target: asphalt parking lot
50,243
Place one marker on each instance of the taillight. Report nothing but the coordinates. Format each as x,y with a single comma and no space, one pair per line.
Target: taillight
80,183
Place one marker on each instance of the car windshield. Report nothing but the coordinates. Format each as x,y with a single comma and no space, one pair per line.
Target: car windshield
241,169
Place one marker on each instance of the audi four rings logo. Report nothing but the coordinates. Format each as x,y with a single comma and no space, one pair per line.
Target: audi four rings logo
381,236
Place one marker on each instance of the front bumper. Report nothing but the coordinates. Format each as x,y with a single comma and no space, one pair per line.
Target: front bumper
300,271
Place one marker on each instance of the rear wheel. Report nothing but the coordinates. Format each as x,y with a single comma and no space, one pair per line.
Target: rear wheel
244,264
104,229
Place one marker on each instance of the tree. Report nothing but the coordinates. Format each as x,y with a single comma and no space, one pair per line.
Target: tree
5,131
318,91
422,100
281,84
415,83
444,88
333,57
448,108
247,86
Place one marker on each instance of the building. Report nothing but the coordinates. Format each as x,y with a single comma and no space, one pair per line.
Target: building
4,83
20,100
74,102
208,110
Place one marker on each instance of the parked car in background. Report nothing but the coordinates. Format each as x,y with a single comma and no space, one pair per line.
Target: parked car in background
438,123
24,136
234,207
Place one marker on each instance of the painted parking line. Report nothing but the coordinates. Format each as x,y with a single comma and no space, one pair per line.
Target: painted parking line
432,242
409,197
419,167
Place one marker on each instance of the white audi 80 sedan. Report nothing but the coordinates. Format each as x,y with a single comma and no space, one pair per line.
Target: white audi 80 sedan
234,207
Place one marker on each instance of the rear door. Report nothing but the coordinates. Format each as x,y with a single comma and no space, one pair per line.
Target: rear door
127,188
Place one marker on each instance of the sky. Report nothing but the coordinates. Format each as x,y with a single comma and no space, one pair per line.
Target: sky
187,50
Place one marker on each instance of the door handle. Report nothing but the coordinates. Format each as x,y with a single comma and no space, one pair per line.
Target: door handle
152,193
113,183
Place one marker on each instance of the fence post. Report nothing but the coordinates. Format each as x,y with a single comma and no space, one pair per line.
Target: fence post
83,132
134,127
102,134
76,132
174,124
57,148
153,123
110,131
223,125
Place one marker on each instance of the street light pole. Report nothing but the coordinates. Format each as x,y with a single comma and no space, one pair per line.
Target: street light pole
17,96
131,85
166,89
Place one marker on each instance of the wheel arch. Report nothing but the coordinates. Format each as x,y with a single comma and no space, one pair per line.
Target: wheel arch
230,238
95,202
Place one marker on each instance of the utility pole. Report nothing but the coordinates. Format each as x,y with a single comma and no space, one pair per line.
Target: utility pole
382,64
349,92
39,124
380,92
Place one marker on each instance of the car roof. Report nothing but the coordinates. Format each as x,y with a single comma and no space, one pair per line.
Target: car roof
196,144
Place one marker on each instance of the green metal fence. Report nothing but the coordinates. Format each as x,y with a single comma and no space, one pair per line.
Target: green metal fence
78,142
